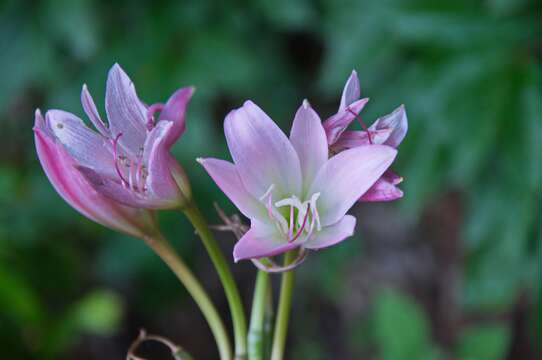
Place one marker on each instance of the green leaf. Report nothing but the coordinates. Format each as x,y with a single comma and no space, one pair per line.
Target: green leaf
401,328
99,312
483,342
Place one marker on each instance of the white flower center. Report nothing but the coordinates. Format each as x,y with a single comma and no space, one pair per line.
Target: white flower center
300,218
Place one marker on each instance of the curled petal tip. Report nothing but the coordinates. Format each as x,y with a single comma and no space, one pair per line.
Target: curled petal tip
306,104
200,160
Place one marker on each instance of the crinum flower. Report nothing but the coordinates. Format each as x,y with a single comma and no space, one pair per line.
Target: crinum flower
388,130
289,188
127,161
60,168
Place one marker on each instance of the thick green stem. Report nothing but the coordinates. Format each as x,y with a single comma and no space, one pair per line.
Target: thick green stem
256,348
164,250
226,277
283,312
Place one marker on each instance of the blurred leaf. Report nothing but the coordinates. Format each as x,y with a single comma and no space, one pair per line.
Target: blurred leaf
401,328
99,312
484,342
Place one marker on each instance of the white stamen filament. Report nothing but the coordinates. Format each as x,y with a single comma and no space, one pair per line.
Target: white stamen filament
297,225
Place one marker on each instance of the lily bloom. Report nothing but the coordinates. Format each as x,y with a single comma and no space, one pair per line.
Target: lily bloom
292,192
388,130
60,168
128,161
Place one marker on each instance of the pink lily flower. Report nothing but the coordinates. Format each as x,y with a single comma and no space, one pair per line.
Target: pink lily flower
60,168
388,130
129,160
293,194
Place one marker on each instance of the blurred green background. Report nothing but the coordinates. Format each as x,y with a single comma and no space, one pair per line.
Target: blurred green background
451,271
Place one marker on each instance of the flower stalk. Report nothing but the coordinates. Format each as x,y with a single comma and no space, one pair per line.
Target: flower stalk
165,251
256,333
283,312
232,293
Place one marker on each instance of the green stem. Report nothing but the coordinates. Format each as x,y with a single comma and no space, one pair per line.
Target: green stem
230,287
166,252
283,312
268,321
257,317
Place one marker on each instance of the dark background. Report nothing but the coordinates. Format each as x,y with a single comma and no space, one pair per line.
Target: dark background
453,270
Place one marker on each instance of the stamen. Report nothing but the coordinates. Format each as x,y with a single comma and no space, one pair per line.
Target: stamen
358,117
291,227
119,173
131,175
150,114
302,225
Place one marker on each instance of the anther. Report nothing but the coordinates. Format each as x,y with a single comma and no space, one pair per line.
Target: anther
356,116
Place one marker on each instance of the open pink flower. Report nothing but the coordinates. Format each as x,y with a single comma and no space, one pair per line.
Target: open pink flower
388,130
129,160
293,194
75,189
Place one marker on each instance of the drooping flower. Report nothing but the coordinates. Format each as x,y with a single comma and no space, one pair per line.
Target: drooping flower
127,161
289,188
388,130
60,168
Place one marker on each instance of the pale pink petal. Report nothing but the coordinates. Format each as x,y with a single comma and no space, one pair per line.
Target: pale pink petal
92,112
351,91
385,189
126,113
160,183
263,155
174,111
347,176
87,147
309,140
332,234
260,241
336,124
226,177
75,190
397,121
354,138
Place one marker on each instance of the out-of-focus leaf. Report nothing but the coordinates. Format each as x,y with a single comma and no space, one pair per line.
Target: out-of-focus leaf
483,342
99,312
18,300
401,328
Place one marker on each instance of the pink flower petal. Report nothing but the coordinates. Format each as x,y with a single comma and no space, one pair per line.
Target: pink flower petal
160,183
384,189
351,91
397,122
226,177
354,138
309,140
333,234
336,124
174,111
263,155
92,112
86,146
125,112
260,241
347,176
